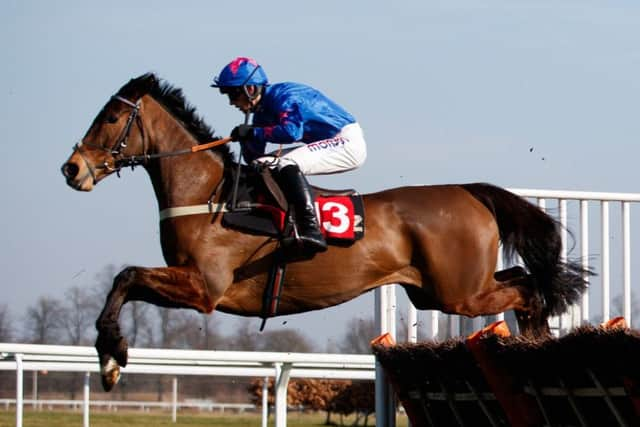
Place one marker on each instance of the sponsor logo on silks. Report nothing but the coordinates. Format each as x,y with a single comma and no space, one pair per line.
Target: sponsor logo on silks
326,143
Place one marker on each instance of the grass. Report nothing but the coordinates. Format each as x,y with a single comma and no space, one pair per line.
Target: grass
133,419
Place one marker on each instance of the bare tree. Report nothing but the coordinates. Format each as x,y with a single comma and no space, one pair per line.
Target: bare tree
247,337
169,331
197,331
360,332
5,324
43,321
103,284
137,323
78,315
169,328
211,338
243,338
289,340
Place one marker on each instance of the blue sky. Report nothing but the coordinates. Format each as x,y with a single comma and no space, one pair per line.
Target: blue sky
525,94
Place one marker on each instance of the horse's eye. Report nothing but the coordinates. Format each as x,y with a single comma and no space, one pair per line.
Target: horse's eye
112,119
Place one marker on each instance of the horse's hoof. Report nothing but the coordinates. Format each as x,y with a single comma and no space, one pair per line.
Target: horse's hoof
110,374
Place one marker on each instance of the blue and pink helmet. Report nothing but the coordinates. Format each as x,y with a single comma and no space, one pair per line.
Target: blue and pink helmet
241,71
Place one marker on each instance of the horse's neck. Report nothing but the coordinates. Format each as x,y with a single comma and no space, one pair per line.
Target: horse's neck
184,179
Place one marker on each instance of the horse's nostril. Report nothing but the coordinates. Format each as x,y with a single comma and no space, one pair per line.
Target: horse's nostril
69,170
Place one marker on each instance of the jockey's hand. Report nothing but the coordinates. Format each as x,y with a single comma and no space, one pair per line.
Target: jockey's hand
242,133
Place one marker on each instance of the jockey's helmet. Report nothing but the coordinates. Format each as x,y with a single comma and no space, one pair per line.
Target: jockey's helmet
241,71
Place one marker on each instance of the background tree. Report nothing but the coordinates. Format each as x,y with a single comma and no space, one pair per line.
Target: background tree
617,306
169,328
198,331
6,334
288,340
243,337
43,321
137,323
77,316
360,332
247,337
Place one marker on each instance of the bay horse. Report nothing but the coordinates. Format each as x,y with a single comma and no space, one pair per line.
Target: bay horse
439,242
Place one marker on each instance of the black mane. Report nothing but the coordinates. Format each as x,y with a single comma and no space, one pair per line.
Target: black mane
174,101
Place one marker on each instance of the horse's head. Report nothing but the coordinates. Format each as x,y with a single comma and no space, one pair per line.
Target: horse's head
115,135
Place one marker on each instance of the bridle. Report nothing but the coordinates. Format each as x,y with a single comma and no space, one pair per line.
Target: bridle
115,151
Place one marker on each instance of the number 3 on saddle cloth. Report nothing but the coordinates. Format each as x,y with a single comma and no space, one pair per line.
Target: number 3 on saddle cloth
262,209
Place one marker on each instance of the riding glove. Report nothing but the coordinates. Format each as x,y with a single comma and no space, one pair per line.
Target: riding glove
242,133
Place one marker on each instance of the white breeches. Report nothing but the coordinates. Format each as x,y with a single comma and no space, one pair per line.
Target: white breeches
345,151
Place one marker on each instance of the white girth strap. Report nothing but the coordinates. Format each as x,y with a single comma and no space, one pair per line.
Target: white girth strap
207,208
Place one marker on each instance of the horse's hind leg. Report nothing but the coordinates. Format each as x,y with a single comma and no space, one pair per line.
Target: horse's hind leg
532,320
513,292
175,287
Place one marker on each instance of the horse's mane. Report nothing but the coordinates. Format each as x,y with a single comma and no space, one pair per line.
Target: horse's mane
174,101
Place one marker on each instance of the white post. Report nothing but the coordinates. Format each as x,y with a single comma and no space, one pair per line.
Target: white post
19,401
584,246
391,310
626,260
500,266
283,372
385,316
265,402
605,261
174,400
34,389
85,400
412,324
434,324
566,319
454,325
554,322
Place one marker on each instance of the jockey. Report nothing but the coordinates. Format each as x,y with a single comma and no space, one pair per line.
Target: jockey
329,138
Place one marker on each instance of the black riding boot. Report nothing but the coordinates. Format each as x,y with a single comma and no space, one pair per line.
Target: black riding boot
299,194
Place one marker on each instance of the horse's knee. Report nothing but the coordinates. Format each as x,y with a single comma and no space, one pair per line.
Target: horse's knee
125,276
107,327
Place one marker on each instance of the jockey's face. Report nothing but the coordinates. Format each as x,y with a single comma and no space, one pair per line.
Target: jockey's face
239,99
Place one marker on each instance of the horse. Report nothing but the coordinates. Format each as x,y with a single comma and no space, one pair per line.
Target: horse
439,242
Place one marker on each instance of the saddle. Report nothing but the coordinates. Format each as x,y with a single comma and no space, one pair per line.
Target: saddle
261,209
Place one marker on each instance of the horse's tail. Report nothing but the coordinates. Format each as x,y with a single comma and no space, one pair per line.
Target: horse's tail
534,235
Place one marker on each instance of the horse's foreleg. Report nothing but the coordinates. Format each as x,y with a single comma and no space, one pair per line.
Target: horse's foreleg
174,287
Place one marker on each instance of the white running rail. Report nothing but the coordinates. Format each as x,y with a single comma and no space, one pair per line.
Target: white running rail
281,366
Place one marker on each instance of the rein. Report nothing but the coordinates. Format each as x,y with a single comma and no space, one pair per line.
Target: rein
135,160
143,158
